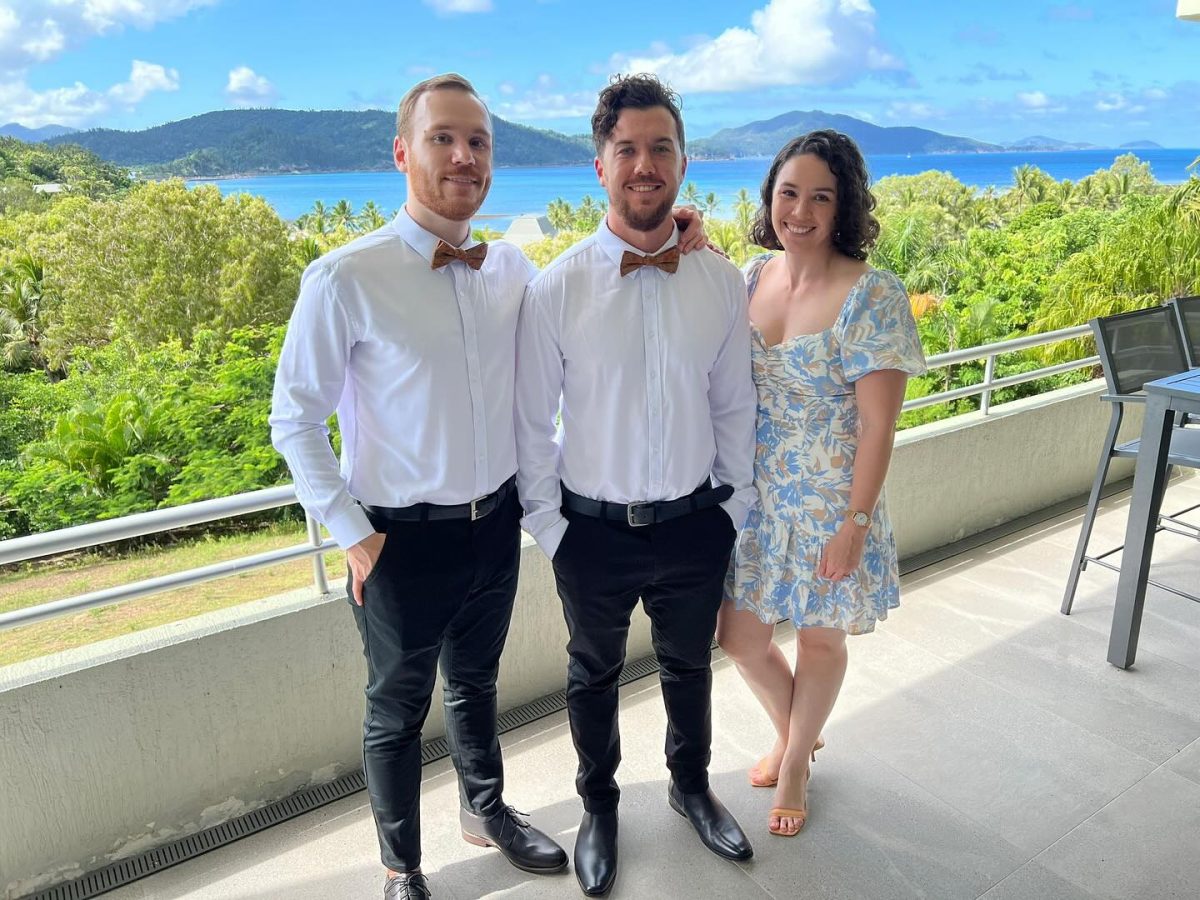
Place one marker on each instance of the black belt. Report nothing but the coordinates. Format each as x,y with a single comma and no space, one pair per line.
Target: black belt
433,512
635,515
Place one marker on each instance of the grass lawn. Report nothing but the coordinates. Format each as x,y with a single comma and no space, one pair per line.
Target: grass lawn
35,583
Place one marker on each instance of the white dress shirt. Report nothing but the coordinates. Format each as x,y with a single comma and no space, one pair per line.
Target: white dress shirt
654,376
418,364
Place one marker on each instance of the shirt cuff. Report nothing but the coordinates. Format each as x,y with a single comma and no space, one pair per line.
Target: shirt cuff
548,537
350,527
737,509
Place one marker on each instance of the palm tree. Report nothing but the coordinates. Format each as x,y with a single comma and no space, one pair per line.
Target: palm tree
371,217
560,214
306,249
316,220
744,209
690,194
342,214
1029,185
24,299
588,214
711,202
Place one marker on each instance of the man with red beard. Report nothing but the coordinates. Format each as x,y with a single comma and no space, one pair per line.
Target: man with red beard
408,334
646,357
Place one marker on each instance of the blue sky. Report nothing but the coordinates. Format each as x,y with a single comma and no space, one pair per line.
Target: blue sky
1104,72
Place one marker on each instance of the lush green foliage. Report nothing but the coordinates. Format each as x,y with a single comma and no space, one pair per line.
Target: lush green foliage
132,429
81,172
157,264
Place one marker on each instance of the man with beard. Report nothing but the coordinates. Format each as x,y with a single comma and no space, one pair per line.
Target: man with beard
408,332
642,495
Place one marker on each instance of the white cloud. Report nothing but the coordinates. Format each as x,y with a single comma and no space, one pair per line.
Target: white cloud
450,7
1033,99
78,104
34,31
1110,103
540,104
247,88
909,112
38,31
144,78
789,42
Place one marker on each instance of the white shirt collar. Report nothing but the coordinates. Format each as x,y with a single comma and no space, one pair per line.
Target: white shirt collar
424,242
613,246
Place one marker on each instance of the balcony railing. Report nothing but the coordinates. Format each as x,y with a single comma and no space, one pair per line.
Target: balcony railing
162,520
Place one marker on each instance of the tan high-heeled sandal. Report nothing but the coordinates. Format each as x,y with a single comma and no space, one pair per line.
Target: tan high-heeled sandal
786,812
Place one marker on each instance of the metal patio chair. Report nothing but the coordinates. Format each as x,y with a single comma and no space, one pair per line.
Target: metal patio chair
1187,315
1135,347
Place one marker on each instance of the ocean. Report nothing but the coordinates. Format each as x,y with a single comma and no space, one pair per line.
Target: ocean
529,190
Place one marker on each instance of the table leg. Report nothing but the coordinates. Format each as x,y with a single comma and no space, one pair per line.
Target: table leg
1148,481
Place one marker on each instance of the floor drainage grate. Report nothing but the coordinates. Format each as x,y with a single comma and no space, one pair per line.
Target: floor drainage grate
113,876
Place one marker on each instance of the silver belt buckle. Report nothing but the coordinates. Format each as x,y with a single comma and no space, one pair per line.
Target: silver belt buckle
475,513
630,512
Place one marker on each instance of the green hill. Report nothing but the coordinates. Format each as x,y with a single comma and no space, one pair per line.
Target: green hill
764,138
267,141
262,141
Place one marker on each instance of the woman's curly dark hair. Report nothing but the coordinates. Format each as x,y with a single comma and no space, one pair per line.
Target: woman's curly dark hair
855,229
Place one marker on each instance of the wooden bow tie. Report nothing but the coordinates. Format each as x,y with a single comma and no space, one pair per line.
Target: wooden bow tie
473,257
668,261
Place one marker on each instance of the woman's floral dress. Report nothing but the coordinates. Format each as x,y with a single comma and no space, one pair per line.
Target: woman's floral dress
807,437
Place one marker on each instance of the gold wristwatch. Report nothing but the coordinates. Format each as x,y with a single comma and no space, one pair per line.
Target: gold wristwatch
859,518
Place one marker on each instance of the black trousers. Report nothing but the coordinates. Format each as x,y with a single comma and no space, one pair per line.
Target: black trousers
678,569
442,592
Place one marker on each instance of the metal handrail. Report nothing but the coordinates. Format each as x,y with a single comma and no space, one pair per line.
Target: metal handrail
989,353
160,520
157,521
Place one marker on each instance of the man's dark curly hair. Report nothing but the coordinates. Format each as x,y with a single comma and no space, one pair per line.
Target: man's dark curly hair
855,229
632,92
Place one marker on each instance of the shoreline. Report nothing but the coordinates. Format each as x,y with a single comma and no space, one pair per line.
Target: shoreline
1120,151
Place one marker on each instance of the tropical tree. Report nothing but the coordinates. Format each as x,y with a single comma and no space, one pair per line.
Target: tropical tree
588,214
560,214
342,215
305,250
744,208
371,217
316,220
690,194
1150,253
24,304
163,262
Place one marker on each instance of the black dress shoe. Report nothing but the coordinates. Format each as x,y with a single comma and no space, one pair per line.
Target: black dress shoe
510,832
596,853
406,886
717,827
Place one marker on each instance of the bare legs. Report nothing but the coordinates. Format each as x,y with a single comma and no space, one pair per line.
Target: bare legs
798,703
747,641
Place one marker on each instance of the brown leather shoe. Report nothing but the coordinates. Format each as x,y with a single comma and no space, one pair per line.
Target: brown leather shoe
406,886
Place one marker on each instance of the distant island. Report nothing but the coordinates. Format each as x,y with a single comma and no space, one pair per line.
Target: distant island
764,138
274,141
33,135
278,141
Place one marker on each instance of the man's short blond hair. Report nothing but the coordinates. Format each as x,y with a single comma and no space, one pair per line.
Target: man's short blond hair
448,81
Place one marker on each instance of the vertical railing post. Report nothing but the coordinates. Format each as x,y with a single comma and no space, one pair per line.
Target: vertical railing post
320,576
989,372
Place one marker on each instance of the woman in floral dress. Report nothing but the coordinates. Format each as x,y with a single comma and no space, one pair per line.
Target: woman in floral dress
834,342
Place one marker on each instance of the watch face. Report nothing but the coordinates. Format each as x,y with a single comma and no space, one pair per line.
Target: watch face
861,519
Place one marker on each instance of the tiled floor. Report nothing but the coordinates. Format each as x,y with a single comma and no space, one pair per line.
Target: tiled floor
982,748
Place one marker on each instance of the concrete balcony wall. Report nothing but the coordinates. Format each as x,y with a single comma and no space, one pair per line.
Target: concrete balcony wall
110,749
